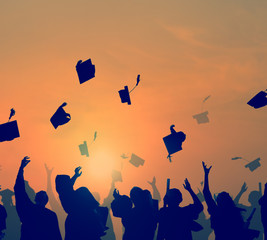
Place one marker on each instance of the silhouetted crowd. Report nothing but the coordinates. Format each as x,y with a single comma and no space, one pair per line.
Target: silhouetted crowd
80,216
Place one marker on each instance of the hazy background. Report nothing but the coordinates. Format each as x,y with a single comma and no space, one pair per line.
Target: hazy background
184,51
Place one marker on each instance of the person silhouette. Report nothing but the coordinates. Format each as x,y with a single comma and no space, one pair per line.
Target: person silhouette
263,204
121,207
3,217
140,221
54,203
177,222
225,216
12,222
83,220
253,199
37,222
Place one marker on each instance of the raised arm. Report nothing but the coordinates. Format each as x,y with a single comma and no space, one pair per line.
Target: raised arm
109,198
198,205
22,198
206,190
239,195
156,194
77,174
56,207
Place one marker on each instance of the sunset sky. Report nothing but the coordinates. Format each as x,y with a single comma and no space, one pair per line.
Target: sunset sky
184,51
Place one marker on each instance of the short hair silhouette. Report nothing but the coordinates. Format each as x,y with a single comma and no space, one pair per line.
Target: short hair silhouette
173,197
41,198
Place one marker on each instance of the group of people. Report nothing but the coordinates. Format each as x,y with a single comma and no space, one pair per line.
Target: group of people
140,214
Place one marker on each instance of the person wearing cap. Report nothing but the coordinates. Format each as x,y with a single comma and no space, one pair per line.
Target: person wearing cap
177,222
37,222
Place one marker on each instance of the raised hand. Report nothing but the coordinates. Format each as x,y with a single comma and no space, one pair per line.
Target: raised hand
153,183
24,162
187,185
48,171
77,171
244,187
116,193
206,169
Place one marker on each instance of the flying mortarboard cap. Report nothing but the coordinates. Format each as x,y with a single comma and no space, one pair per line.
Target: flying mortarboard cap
85,70
173,142
60,117
125,95
259,100
202,117
136,161
253,165
83,149
116,176
9,131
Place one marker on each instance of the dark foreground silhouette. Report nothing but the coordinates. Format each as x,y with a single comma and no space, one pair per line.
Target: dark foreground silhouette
37,222
177,222
85,220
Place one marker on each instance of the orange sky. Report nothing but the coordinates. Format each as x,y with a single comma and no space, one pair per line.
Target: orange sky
183,52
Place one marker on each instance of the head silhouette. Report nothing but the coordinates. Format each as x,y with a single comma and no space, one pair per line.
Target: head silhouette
136,195
254,197
224,200
63,183
148,200
86,199
41,198
173,197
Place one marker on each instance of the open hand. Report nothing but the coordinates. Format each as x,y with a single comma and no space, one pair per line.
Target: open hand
244,187
187,185
78,171
153,183
206,169
24,162
116,193
48,171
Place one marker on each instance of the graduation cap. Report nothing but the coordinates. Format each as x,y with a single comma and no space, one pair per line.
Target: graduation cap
116,176
123,156
83,149
259,100
9,131
85,70
136,161
253,165
173,142
60,117
125,93
202,117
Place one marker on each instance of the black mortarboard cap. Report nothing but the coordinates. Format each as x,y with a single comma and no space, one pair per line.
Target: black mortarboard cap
84,149
259,100
202,117
60,117
85,70
173,142
9,131
125,95
136,161
116,176
253,165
